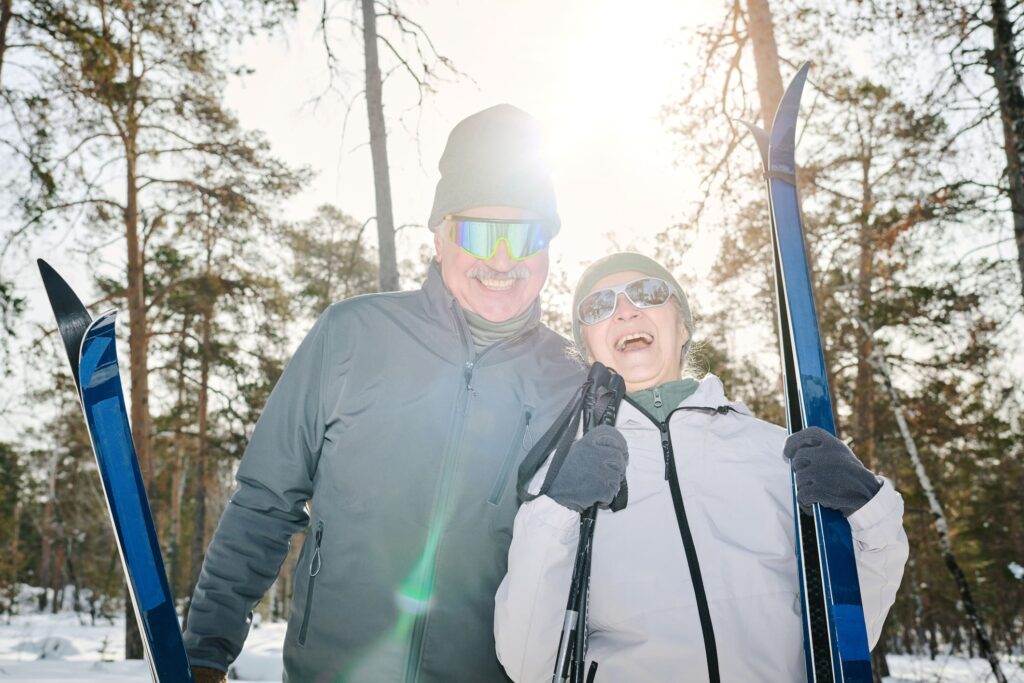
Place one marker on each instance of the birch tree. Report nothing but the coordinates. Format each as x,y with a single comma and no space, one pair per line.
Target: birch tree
878,362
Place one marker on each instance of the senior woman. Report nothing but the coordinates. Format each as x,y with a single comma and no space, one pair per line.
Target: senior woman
696,579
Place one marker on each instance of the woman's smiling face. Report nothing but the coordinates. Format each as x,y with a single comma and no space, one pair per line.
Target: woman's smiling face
641,344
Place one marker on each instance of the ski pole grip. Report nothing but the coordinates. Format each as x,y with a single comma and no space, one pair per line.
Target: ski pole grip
618,388
597,379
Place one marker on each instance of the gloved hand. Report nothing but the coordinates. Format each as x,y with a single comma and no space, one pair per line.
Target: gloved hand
828,473
593,470
203,674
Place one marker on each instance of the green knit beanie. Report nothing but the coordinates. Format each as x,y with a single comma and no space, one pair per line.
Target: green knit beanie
495,158
620,263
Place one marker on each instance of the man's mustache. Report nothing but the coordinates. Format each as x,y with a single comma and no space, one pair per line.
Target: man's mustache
482,271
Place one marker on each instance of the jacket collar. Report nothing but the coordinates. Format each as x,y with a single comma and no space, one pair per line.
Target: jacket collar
448,312
709,394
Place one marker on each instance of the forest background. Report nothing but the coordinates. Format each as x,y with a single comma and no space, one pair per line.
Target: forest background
221,171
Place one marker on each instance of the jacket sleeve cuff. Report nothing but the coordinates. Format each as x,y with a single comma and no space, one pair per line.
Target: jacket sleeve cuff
545,512
875,518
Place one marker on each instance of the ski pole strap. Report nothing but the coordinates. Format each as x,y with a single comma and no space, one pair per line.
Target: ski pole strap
569,417
779,175
561,452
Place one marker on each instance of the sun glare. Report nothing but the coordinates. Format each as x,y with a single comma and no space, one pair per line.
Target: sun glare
606,138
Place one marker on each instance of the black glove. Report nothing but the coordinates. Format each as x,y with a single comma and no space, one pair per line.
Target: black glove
828,473
593,470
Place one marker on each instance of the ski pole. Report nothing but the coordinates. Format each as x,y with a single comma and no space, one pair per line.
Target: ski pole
617,386
598,375
569,659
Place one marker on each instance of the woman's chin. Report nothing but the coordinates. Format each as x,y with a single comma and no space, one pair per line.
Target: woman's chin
638,378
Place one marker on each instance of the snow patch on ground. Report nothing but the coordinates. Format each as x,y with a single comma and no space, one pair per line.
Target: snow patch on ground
950,669
50,647
59,648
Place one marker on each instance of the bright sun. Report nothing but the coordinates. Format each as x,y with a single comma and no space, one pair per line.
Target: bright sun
617,70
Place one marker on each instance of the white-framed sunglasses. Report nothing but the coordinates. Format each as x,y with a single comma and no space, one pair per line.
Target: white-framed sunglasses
645,292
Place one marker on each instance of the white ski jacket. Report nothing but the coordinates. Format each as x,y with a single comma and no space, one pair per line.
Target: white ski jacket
643,619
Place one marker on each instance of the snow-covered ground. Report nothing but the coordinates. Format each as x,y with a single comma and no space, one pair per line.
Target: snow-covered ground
56,648
60,648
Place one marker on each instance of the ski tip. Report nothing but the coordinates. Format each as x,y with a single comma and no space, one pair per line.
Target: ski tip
45,269
71,315
760,137
782,139
62,297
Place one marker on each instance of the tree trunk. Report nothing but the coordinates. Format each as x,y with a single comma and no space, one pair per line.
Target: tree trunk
14,550
138,343
203,441
58,579
6,12
201,491
177,493
179,474
974,618
879,664
388,276
1006,72
766,59
864,388
46,564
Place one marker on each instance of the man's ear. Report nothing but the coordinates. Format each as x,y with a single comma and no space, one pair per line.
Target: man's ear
437,244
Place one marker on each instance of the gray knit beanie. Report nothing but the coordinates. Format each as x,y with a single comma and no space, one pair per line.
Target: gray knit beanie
623,262
493,158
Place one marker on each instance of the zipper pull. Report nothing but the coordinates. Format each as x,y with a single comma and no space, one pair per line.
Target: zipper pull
666,446
467,373
316,563
657,397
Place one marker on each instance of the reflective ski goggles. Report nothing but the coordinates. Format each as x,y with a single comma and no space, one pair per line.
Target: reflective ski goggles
647,292
481,237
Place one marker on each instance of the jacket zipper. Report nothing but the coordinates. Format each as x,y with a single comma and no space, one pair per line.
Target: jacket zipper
703,612
315,565
412,664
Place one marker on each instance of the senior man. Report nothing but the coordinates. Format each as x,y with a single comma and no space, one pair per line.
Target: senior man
395,433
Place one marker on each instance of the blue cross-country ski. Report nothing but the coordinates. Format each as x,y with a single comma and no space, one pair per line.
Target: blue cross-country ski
92,351
835,638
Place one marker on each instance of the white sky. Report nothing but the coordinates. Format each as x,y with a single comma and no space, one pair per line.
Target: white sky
596,73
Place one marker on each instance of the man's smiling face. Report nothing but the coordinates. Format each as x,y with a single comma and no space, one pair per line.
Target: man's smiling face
498,288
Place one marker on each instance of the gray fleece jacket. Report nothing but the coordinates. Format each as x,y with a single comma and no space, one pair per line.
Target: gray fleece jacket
398,445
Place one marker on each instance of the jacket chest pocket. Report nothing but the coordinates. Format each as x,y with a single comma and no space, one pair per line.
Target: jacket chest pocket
521,442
